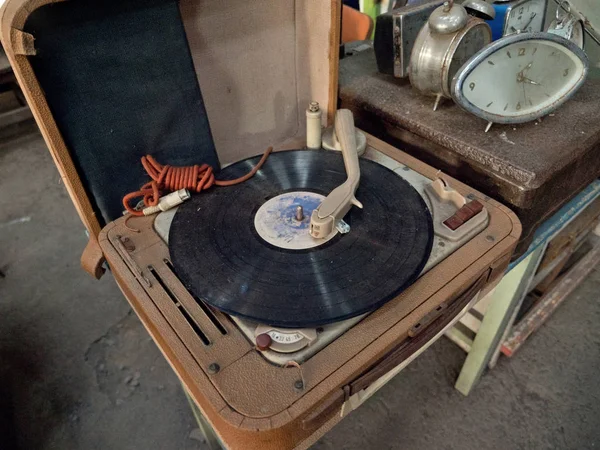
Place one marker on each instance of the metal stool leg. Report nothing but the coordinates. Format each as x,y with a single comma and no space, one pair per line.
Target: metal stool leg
507,298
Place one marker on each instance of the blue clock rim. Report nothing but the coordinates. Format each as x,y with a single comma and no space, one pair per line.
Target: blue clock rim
471,64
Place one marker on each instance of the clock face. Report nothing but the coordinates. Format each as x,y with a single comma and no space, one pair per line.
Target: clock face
525,17
474,40
520,77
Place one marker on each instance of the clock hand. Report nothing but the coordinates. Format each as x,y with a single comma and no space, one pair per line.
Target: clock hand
529,23
514,30
527,80
521,74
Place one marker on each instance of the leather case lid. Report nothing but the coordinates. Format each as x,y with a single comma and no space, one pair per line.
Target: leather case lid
120,82
257,64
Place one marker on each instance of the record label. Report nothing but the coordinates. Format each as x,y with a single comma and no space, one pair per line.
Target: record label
277,220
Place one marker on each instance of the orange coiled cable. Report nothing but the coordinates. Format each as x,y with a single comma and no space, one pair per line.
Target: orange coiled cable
170,178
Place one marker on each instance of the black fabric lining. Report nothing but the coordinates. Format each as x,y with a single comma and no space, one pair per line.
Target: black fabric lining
120,82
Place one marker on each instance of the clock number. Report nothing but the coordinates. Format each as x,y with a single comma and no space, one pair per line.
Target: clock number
566,72
521,52
519,106
472,85
521,10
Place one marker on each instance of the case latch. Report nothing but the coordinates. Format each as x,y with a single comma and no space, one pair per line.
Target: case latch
22,43
92,259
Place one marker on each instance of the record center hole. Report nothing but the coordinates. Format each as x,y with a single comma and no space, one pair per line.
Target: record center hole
180,307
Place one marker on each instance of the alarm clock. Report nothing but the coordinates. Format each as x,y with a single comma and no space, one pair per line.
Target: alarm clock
480,8
567,25
448,39
517,16
520,78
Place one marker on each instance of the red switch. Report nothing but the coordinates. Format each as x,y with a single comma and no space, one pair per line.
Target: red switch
463,215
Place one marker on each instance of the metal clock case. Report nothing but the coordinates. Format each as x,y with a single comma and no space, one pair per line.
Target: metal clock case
516,16
480,8
520,78
448,40
585,11
395,36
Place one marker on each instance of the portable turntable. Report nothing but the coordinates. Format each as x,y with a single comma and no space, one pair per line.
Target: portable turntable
285,317
275,329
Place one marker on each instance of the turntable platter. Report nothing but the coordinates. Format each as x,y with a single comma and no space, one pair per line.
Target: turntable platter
239,249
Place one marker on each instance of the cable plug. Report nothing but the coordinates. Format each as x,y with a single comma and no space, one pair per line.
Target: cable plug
167,202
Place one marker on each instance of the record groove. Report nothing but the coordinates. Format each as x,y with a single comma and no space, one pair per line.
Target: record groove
220,257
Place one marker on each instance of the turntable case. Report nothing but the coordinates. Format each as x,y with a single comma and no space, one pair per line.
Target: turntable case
218,81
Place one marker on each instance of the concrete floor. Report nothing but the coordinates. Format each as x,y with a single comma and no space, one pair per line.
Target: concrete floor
78,371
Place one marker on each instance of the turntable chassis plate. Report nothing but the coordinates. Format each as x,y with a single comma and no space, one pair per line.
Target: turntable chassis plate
256,405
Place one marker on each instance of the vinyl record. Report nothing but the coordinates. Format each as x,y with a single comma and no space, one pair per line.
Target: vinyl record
267,268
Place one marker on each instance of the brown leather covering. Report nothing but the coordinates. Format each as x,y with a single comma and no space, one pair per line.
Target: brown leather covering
252,402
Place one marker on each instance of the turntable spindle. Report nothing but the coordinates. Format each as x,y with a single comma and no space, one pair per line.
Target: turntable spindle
299,213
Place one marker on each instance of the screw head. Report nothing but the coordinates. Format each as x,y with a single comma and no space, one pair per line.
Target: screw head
471,196
490,238
128,244
213,368
299,385
441,244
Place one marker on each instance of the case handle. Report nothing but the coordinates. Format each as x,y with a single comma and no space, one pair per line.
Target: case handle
408,347
325,411
412,344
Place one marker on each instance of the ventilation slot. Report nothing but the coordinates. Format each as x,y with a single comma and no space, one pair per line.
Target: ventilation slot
209,312
180,307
